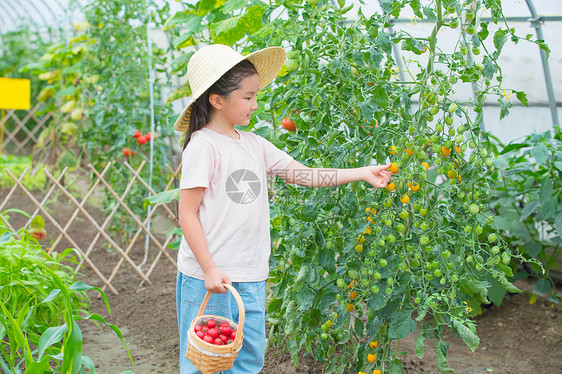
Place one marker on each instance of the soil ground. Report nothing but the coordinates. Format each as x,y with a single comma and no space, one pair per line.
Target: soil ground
516,337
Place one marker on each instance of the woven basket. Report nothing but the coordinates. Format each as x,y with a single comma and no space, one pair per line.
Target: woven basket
209,358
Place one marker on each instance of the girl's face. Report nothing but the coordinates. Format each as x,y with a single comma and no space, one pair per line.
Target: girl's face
241,103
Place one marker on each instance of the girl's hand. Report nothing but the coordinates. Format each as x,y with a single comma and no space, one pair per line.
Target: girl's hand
377,175
214,278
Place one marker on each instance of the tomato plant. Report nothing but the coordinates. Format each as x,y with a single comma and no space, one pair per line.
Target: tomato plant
526,197
352,264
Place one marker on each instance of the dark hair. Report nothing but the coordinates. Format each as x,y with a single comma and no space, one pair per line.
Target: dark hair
230,81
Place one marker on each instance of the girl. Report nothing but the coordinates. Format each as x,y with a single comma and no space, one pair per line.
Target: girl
223,204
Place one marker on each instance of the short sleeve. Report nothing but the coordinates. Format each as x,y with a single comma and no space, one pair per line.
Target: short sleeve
198,162
275,159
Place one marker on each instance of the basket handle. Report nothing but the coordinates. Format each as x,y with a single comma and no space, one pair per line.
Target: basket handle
241,310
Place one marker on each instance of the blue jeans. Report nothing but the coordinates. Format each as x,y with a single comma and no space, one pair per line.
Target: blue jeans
189,296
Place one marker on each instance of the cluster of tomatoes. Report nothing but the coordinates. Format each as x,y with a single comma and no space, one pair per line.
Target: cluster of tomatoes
141,139
210,333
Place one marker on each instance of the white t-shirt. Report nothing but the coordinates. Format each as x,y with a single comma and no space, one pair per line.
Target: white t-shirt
234,211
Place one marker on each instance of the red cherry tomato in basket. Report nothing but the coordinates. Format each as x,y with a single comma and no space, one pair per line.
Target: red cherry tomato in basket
224,338
198,328
218,341
226,330
233,334
208,339
200,334
211,323
213,333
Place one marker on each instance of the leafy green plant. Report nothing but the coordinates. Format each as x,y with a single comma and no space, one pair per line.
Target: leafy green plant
527,199
356,269
41,302
34,179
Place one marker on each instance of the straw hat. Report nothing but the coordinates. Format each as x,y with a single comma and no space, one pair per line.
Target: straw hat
210,63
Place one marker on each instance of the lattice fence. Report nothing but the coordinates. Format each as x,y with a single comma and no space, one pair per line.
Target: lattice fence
20,135
82,227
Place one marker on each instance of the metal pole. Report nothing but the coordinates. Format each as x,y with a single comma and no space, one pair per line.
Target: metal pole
151,89
536,23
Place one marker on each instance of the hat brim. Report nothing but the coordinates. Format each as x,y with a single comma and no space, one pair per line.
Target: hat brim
268,62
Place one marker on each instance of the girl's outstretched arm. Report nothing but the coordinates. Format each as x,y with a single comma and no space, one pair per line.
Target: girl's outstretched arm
297,173
190,199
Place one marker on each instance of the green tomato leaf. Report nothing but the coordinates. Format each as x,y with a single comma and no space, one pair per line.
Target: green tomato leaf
542,286
470,338
558,224
539,153
522,97
533,248
401,325
528,209
383,41
441,357
420,341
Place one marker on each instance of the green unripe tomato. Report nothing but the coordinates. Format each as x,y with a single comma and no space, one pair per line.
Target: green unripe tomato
377,275
403,214
495,249
324,336
449,120
352,273
451,9
469,15
438,128
472,144
454,277
453,23
492,238
391,239
434,110
459,139
424,211
292,65
451,131
324,327
390,281
375,289
473,209
470,29
476,51
293,55
506,258
478,230
387,202
483,152
469,259
446,253
383,263
464,49
341,283
453,107
424,240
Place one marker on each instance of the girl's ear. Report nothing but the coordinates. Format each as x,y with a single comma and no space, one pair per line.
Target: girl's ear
216,101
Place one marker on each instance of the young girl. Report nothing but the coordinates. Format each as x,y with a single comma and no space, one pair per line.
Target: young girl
223,204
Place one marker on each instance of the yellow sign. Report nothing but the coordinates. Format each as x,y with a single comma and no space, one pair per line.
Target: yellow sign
14,93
